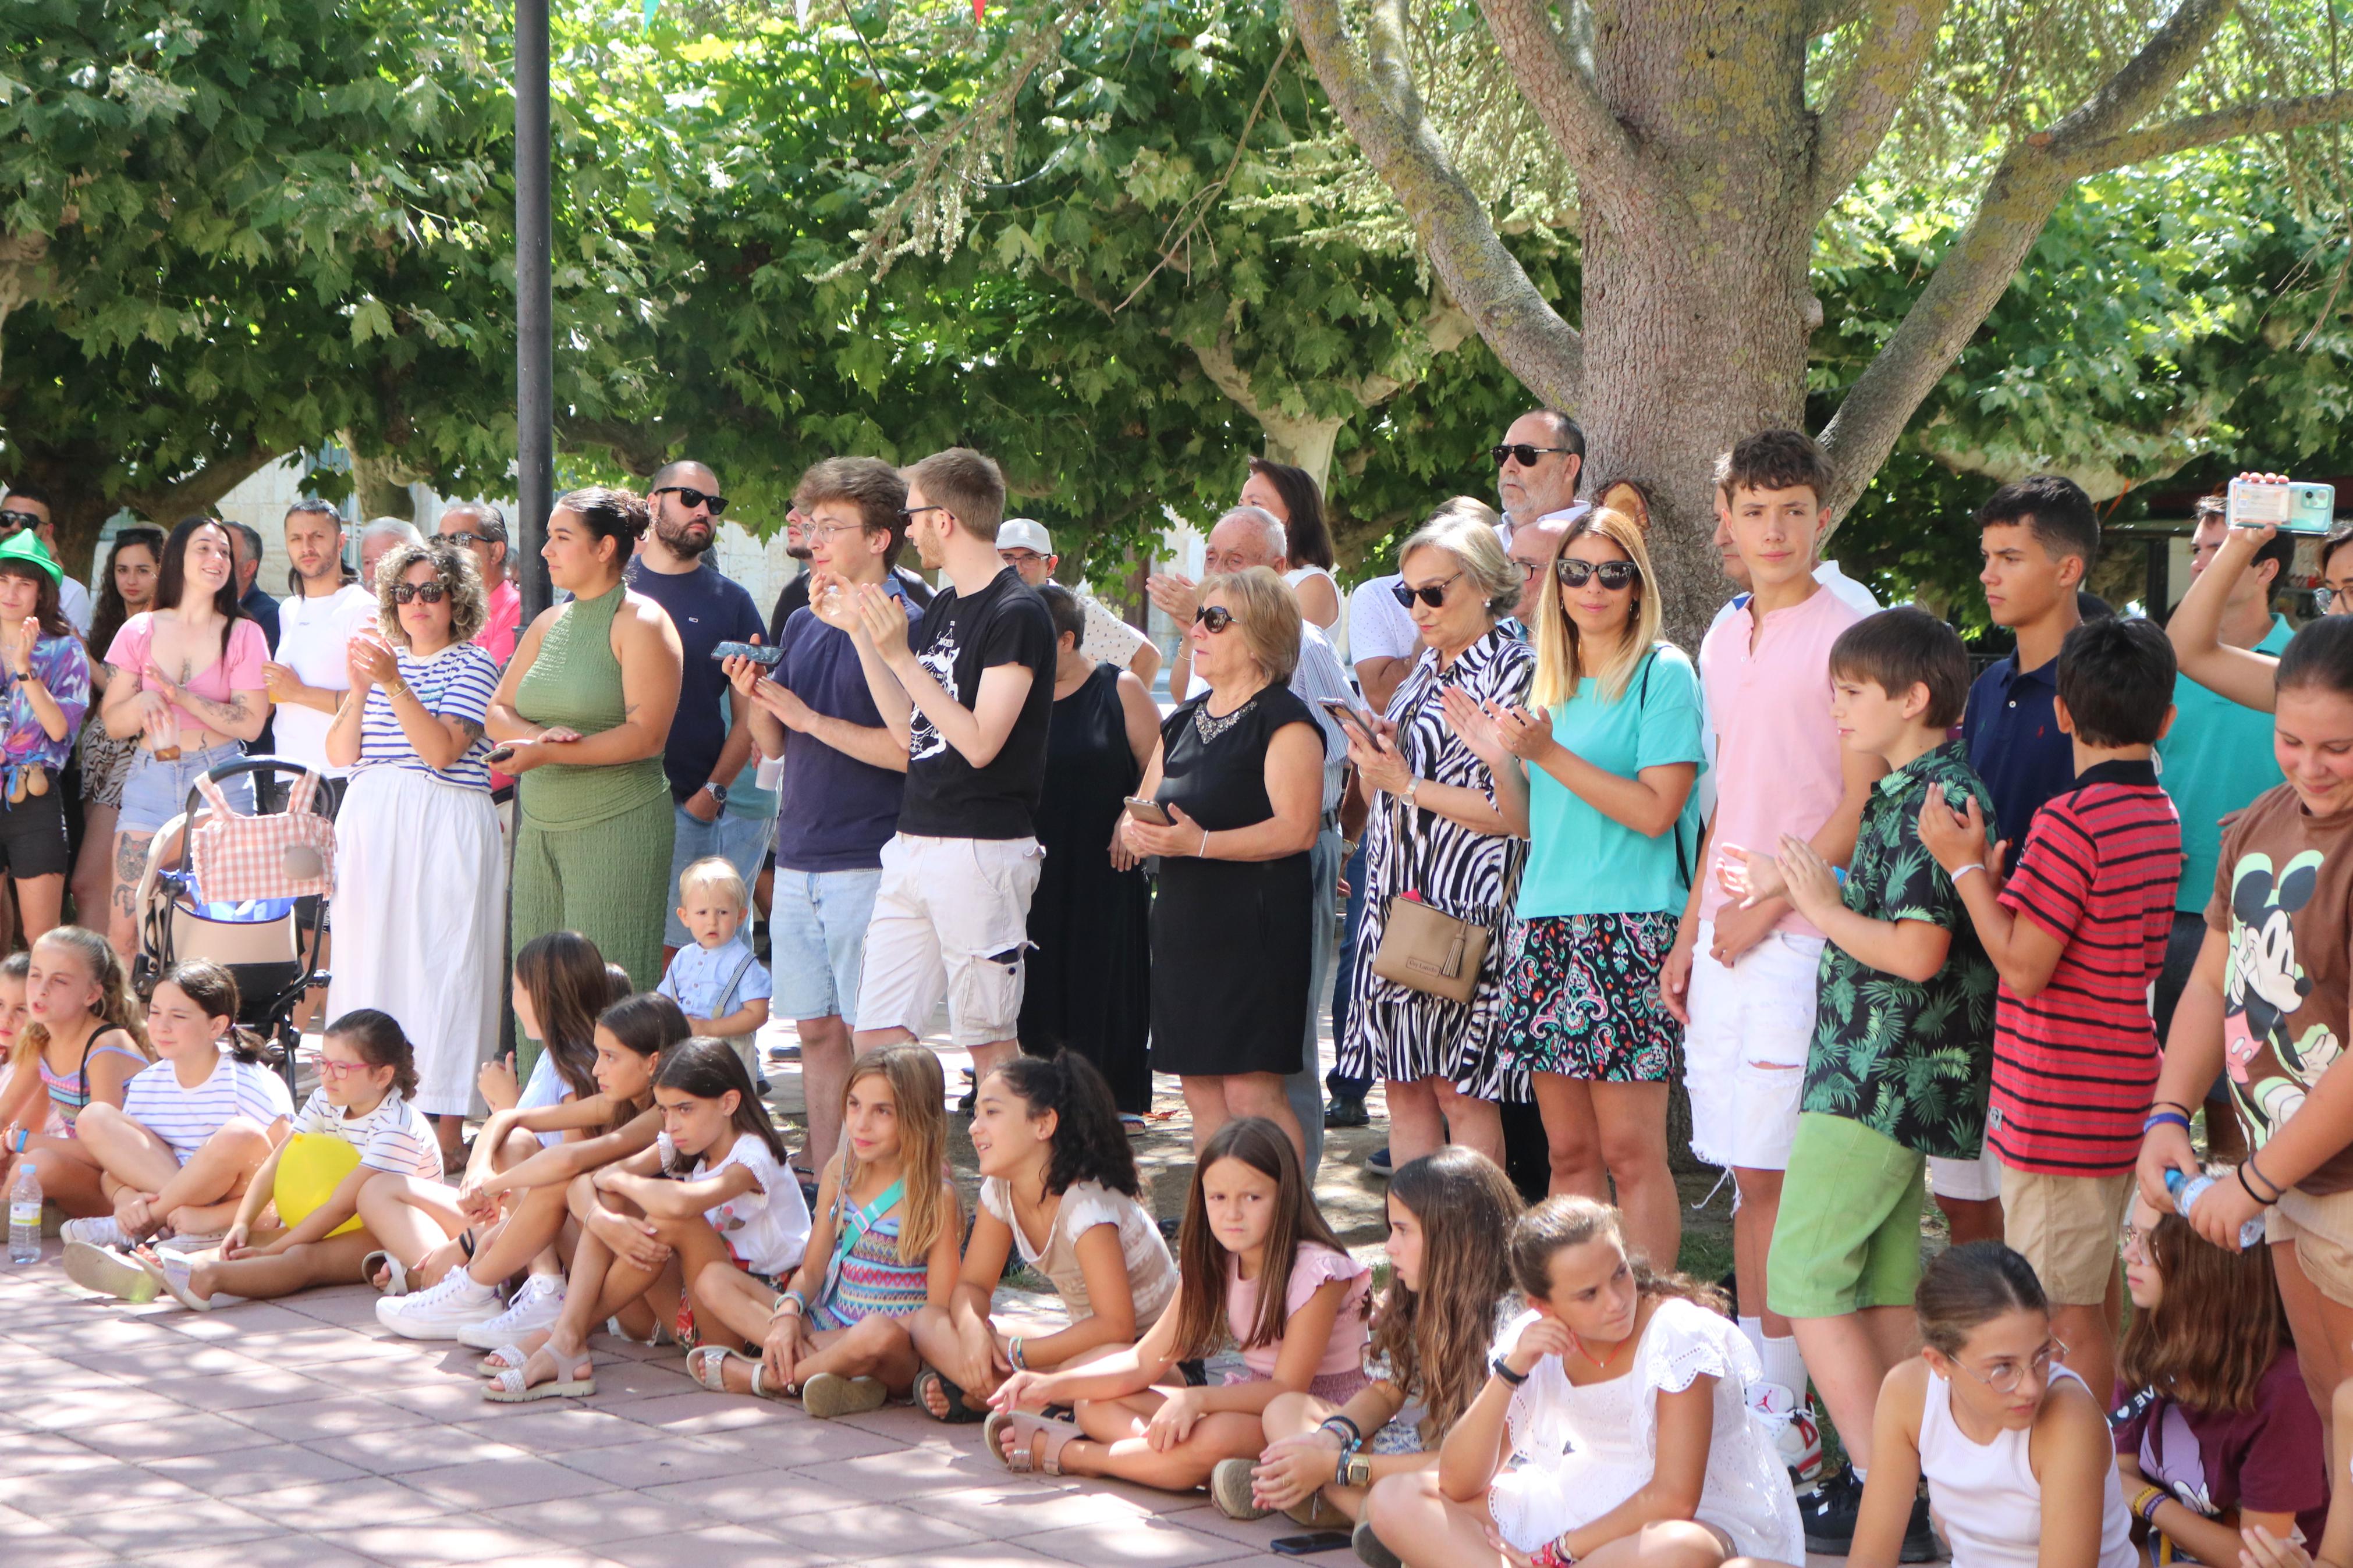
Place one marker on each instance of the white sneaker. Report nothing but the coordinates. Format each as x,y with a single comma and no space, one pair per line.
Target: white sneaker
438,1311
1797,1437
536,1306
103,1231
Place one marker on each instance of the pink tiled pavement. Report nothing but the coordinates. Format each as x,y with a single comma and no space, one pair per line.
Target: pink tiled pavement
298,1433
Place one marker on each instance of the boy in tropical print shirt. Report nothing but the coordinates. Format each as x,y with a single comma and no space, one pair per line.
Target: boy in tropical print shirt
1901,1052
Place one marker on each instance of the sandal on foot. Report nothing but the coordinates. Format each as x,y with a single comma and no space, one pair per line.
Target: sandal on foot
175,1274
1026,1426
109,1272
513,1387
396,1276
959,1411
506,1358
1229,1489
708,1366
829,1395
1317,1512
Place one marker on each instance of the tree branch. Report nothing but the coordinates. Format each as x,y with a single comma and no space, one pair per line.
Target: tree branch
1982,259
1609,167
1855,117
198,492
1830,16
1382,113
2270,117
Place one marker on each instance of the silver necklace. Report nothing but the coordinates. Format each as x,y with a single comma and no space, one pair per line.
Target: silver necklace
1209,729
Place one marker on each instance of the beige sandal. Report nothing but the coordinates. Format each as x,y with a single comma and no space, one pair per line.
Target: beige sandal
575,1377
707,1365
1026,1426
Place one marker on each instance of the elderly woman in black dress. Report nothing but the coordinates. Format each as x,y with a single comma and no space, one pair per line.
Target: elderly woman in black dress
1240,775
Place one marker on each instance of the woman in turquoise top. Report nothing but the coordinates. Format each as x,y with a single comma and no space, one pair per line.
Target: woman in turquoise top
1608,750
587,702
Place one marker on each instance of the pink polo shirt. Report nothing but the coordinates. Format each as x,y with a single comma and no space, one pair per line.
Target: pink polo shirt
1778,753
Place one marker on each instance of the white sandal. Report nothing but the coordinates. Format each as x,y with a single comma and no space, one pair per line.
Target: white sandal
395,1275
513,1387
708,1365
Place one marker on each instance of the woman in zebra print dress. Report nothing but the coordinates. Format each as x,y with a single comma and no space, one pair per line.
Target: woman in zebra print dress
1434,831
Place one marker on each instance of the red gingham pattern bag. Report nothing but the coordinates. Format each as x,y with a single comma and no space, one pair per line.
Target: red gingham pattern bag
285,855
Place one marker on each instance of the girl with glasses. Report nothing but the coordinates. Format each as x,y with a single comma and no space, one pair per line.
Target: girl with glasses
420,892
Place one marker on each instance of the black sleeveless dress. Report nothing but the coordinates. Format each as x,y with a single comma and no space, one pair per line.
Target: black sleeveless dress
1089,987
1230,939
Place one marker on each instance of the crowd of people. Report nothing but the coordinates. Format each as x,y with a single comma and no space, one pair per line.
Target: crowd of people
2061,945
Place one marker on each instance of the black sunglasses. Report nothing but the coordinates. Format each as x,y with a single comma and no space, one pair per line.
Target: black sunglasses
1521,453
690,499
1433,596
430,593
10,522
1614,575
1216,617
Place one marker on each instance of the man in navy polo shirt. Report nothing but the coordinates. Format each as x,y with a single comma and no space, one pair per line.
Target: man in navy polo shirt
705,751
2039,537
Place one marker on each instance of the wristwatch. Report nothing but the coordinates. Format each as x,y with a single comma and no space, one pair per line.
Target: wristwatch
717,792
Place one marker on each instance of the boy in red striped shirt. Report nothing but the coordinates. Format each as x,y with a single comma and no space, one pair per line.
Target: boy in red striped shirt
2077,932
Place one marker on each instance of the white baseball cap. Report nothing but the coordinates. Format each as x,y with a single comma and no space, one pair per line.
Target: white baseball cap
1024,534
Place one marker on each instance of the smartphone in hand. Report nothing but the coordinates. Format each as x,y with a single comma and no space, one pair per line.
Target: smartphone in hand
1150,811
1354,720
767,657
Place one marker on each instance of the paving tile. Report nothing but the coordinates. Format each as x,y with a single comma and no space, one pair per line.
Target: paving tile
662,1461
147,1529
1017,1508
399,1451
23,1539
240,1473
187,1433
96,1489
333,1505
713,1545
285,1551
75,1407
544,1430
312,1421
697,1413
1145,1544
224,1392
484,1485
23,1452
613,1517
875,1530
909,1473
981,1554
453,1538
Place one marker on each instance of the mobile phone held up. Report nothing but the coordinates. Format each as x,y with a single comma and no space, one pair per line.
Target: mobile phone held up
2294,507
1310,1544
1351,718
767,657
1150,811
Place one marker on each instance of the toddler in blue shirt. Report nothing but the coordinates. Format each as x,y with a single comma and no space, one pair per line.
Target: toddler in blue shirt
717,983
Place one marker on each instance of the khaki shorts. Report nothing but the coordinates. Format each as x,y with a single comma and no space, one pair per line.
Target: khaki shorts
2067,1228
951,919
2322,1229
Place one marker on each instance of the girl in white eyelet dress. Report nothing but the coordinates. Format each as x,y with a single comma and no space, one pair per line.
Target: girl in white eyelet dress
1630,1401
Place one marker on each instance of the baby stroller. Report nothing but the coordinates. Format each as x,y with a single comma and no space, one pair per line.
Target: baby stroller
280,869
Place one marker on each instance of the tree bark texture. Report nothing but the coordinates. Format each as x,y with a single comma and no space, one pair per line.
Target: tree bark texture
1703,173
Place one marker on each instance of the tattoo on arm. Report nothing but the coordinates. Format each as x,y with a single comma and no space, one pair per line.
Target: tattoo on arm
470,729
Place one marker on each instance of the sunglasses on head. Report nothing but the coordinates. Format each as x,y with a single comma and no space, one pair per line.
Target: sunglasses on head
690,497
1216,617
1434,595
10,522
429,593
1614,575
1520,452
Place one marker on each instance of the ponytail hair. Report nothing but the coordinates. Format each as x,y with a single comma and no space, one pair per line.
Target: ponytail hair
1963,1287
707,1067
214,990
381,1042
113,1009
1090,1144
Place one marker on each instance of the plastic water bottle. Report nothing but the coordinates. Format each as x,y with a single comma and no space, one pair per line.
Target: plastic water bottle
24,1214
2186,1190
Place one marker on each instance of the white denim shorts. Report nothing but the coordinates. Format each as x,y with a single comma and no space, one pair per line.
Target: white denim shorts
1744,1053
951,919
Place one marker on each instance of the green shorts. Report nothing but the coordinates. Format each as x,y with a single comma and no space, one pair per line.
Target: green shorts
1849,1233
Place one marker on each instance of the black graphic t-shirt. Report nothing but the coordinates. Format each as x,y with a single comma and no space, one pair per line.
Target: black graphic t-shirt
958,640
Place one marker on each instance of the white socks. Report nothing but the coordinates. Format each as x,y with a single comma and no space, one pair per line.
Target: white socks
1784,1365
1754,1328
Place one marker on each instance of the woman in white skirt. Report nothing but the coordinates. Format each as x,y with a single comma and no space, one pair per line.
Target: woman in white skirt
420,874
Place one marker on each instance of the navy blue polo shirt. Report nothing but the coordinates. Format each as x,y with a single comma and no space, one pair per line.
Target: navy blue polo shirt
2016,745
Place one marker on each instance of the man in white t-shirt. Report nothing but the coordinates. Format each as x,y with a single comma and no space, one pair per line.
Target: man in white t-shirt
315,627
1023,544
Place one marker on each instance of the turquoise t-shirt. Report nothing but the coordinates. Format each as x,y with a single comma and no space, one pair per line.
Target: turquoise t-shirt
1581,862
2215,758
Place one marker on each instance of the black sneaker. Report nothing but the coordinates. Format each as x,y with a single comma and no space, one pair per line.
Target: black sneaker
1920,1543
1830,1514
1377,1161
1347,1111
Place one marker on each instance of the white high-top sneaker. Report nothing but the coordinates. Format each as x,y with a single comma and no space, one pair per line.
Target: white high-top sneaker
536,1306
439,1312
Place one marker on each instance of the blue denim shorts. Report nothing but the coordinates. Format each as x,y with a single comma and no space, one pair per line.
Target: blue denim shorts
816,941
153,793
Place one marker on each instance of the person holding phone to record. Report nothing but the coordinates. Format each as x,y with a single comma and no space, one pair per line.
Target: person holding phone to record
1238,773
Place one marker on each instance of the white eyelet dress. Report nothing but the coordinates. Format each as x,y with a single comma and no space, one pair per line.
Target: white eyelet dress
1583,1451
1986,1498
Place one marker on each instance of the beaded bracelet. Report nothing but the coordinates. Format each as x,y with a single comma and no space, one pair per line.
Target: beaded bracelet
1551,1555
1016,1355
1350,1440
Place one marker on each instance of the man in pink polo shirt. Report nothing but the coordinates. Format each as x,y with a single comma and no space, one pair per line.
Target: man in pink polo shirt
1743,979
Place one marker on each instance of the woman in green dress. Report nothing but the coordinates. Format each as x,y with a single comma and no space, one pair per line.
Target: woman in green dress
587,702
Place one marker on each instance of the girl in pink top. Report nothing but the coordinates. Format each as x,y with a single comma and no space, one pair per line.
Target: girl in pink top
1257,1264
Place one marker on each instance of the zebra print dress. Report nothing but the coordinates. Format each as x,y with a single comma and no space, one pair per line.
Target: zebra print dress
1402,1035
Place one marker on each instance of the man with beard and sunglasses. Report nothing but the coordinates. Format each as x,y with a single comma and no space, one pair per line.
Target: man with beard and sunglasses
27,505
1537,464
707,746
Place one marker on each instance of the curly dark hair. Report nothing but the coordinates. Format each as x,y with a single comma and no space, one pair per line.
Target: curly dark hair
1090,1144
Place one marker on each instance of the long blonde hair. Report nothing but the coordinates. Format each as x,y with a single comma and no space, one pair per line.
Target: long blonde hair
1559,661
926,1206
113,1010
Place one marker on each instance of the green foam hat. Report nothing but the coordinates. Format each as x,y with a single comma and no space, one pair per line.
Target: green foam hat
26,545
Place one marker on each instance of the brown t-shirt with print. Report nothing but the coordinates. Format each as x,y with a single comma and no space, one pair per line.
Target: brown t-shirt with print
2283,897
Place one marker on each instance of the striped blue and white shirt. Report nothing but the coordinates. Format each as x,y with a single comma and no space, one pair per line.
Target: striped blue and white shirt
454,683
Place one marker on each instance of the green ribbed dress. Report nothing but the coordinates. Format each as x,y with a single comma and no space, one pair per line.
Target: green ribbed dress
593,844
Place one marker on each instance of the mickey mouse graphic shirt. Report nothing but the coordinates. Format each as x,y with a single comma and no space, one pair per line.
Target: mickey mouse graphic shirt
2281,896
